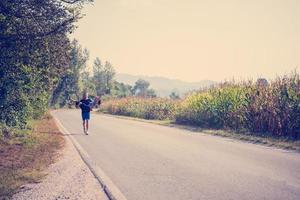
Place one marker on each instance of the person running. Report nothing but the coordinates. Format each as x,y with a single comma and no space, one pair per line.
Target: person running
85,106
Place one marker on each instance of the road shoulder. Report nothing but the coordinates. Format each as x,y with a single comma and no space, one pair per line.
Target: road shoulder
68,178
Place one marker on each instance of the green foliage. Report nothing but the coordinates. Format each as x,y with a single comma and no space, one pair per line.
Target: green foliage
87,84
275,108
147,108
8,132
78,79
217,107
141,89
34,54
24,95
174,96
265,108
121,90
262,108
71,83
103,77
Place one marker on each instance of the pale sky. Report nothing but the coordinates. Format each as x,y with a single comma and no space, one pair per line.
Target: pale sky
194,40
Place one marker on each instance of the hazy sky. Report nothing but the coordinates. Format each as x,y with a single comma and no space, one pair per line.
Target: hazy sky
194,39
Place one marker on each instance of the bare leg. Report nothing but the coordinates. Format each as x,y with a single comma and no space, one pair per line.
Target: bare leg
87,126
84,129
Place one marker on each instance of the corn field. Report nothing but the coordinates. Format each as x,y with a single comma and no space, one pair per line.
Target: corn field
146,108
270,109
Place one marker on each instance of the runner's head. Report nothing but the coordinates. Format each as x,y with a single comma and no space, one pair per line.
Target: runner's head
85,95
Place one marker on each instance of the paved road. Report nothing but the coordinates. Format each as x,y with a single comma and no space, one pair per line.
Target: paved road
152,162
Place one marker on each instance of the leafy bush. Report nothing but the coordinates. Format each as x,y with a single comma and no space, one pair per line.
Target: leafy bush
35,53
7,132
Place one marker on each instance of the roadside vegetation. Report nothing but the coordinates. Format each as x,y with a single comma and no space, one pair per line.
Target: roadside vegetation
35,55
146,108
24,154
262,108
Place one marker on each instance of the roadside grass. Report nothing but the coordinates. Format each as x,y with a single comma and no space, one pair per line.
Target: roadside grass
25,154
255,138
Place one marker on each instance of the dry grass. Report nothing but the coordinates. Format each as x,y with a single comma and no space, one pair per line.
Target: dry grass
24,158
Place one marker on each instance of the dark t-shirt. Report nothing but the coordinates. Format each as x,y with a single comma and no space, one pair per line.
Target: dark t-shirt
85,105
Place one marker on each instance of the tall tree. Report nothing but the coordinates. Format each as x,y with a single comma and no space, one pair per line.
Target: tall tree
34,54
69,85
98,76
109,73
87,83
121,90
174,95
103,76
141,88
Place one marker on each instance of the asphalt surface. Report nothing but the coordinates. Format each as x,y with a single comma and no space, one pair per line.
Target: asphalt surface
152,162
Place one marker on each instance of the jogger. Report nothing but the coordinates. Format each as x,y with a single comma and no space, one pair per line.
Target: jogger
85,105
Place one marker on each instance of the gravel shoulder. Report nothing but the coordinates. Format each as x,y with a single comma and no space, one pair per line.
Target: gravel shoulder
68,178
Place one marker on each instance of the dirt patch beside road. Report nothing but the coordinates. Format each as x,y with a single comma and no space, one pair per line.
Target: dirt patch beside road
24,158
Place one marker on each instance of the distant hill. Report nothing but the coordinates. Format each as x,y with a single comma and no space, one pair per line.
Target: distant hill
164,86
